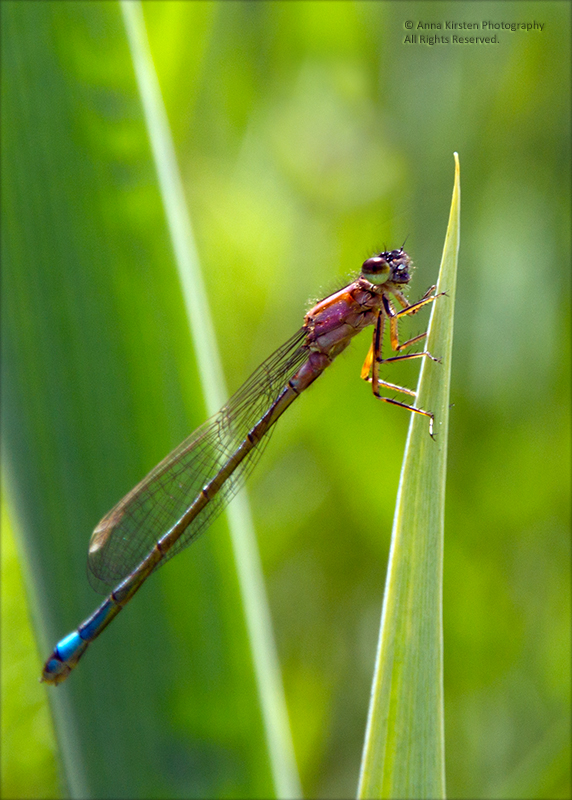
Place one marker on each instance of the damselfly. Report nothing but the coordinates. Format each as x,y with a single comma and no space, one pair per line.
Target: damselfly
180,498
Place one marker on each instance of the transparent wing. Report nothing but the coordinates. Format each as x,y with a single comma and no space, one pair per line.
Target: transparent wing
131,529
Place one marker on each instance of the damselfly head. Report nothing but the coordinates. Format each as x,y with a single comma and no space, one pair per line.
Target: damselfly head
390,265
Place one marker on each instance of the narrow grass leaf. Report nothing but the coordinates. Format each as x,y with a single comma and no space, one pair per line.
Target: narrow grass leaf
98,384
247,558
404,745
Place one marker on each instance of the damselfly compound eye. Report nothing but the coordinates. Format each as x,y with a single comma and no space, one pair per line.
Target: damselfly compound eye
376,269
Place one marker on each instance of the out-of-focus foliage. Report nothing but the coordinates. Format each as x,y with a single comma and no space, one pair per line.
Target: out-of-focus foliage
308,134
27,771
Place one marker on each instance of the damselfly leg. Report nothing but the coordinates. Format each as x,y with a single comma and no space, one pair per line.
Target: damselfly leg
374,358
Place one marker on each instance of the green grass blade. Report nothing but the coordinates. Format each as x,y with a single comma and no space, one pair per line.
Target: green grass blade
247,557
97,385
404,745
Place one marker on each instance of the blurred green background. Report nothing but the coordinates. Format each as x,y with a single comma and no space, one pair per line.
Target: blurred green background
308,135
